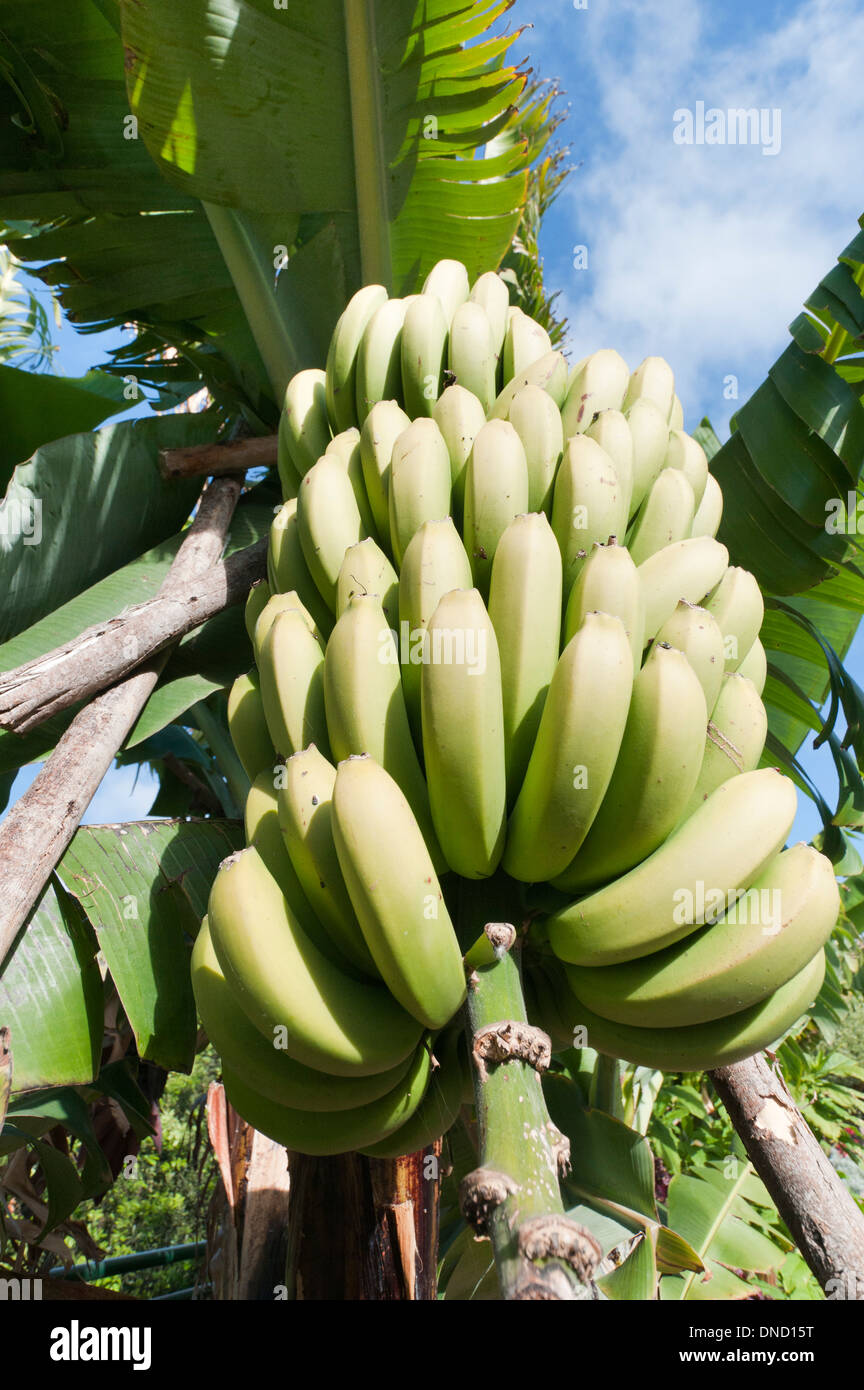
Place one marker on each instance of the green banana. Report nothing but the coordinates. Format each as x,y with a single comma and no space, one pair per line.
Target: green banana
366,570
305,818
525,342
366,708
496,491
755,666
650,434
738,606
434,562
248,725
709,513
424,354
463,734
419,482
491,292
599,384
726,842
764,939
575,751
439,1108
330,1021
449,281
548,372
259,596
471,353
736,737
247,1052
291,671
611,431
460,418
694,631
665,516
657,768
684,453
676,415
282,603
403,915
588,504
525,608
706,1045
328,522
688,569
289,571
381,428
537,421
346,447
304,430
379,358
341,368
341,1131
653,380
608,582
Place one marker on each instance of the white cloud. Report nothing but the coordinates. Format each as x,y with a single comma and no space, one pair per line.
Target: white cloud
701,253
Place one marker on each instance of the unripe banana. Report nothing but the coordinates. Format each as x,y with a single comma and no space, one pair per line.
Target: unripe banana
706,1045
471,353
689,569
588,504
727,842
305,816
419,482
381,428
248,726
341,370
665,516
277,1076
463,734
343,1131
434,562
346,447
491,292
304,430
736,737
379,358
653,380
600,384
650,434
525,342
685,453
440,1106
575,750
366,570
676,415
525,609
755,666
611,431
259,596
449,281
549,373
537,421
328,521
657,768
695,632
340,1025
460,418
764,939
496,491
709,513
291,670
739,608
287,566
365,705
282,603
424,354
609,582
403,915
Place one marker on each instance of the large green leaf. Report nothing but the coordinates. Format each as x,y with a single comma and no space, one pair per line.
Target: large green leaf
36,409
144,887
714,1213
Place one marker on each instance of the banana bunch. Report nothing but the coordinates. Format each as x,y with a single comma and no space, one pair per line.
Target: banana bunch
498,636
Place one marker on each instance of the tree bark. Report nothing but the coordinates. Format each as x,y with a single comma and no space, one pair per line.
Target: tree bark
41,823
820,1212
216,459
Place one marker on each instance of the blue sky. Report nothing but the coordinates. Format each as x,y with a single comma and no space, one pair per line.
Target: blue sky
701,253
